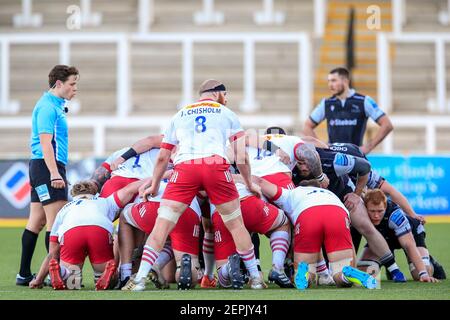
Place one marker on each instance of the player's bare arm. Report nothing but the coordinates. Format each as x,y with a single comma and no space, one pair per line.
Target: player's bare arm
385,128
54,250
243,163
160,168
308,129
409,245
138,147
401,200
361,168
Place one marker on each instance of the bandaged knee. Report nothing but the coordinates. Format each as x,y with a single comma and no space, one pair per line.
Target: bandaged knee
228,217
372,267
168,214
337,266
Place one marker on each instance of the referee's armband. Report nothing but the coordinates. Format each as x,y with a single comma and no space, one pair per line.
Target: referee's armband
129,154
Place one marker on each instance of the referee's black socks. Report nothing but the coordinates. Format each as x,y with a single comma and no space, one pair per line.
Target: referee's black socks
29,240
47,240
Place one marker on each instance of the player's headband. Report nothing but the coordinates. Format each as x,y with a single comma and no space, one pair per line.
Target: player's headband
220,87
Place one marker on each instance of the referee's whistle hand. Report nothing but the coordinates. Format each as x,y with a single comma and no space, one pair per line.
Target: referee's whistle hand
57,182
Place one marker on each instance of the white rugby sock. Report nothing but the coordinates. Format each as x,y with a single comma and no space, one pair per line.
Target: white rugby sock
125,271
165,255
208,254
149,257
321,268
64,272
279,243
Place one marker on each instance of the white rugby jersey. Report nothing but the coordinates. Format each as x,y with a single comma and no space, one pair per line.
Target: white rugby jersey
140,166
86,212
162,186
287,144
115,155
264,163
201,130
295,201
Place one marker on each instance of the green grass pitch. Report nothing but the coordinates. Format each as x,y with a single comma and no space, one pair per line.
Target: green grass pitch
438,241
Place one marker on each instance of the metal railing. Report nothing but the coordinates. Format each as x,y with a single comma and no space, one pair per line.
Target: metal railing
187,40
99,125
385,72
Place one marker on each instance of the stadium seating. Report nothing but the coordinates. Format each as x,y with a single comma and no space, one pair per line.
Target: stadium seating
156,68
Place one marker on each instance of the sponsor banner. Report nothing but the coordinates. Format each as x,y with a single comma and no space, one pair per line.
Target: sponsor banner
422,179
15,184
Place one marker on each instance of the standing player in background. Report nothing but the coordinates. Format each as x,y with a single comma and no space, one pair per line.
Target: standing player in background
346,113
49,156
200,131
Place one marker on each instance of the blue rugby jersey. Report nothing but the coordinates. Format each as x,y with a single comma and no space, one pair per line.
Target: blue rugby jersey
49,117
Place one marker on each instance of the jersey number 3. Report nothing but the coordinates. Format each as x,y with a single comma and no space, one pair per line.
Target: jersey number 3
200,124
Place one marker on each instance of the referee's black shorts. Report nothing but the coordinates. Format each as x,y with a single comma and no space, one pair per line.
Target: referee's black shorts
41,189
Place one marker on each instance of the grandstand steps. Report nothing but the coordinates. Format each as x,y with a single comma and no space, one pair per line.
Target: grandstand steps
169,16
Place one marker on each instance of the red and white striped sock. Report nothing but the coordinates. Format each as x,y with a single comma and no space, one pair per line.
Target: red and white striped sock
279,243
321,268
149,257
208,254
250,262
165,255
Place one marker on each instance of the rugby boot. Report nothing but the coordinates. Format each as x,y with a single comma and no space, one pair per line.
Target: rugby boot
208,283
257,283
55,275
398,276
302,276
234,265
439,272
359,277
106,279
24,281
121,283
157,278
185,280
134,284
280,278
